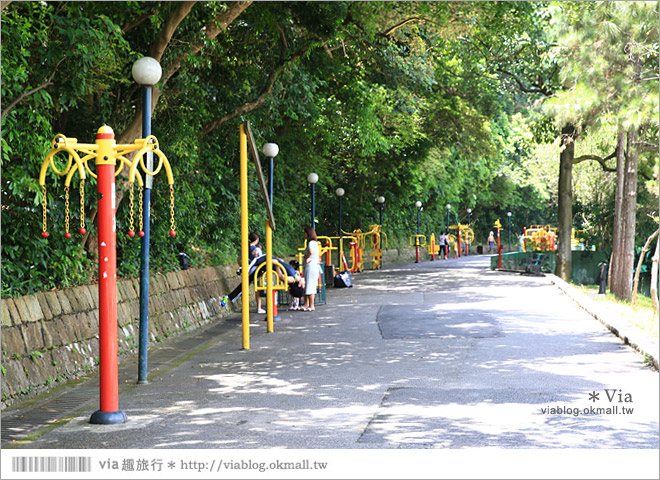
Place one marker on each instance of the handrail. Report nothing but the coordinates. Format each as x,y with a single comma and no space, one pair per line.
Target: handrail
260,280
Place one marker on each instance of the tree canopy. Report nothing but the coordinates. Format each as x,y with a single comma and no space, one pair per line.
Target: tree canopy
429,101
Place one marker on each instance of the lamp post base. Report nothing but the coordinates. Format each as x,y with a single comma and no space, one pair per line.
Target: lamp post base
107,418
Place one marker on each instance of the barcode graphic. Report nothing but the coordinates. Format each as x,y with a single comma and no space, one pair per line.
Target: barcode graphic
51,464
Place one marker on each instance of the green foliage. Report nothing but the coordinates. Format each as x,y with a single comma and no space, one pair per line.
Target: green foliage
609,69
36,355
54,59
429,101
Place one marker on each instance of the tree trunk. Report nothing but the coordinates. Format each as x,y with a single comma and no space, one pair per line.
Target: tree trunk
565,214
654,276
623,276
642,254
618,202
211,30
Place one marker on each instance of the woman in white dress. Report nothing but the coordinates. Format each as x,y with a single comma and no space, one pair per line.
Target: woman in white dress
311,269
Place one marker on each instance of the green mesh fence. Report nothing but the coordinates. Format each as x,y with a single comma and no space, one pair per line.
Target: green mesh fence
585,264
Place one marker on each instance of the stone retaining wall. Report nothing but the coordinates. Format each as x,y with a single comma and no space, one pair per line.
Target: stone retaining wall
52,336
394,256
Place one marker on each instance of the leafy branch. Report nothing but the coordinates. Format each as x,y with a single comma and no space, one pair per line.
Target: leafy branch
212,30
403,23
265,92
46,83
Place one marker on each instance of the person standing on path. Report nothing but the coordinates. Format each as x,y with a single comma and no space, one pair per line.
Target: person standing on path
442,244
311,268
491,242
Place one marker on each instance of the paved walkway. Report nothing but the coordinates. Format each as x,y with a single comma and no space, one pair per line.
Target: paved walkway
444,354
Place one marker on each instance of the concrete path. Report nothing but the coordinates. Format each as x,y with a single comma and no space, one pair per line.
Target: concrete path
444,354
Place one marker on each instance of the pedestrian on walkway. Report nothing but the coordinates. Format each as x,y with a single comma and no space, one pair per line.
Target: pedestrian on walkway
491,242
442,244
311,268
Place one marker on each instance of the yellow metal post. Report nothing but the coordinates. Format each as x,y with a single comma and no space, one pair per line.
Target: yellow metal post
245,245
269,276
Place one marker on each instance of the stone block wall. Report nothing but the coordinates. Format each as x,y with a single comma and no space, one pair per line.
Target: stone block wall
52,336
400,255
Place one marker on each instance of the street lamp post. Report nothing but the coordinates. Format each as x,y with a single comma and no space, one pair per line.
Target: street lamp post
381,201
147,72
418,204
447,224
508,214
340,193
467,247
312,178
270,150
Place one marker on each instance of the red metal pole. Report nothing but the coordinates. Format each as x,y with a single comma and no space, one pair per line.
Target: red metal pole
459,242
432,248
107,288
275,314
107,231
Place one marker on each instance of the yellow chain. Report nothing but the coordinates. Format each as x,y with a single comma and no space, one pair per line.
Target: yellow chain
130,207
172,228
44,202
66,208
141,217
82,203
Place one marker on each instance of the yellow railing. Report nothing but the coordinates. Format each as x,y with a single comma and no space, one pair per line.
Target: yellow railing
415,238
260,276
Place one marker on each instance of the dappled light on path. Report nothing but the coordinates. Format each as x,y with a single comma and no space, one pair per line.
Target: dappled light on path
412,357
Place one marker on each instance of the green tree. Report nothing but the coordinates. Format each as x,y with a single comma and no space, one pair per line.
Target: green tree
414,101
611,77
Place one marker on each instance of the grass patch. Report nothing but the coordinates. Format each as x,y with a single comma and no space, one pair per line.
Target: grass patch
641,315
